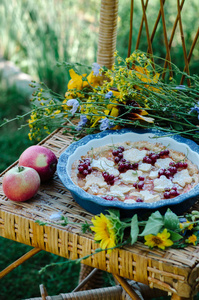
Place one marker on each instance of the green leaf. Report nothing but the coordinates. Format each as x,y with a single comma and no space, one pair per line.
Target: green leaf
134,229
171,220
154,224
177,127
196,227
115,212
41,222
86,227
174,236
65,219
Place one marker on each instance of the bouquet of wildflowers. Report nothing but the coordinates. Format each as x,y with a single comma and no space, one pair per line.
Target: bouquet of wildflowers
134,93
161,231
155,230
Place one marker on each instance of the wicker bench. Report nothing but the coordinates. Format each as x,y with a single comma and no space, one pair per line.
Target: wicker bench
174,271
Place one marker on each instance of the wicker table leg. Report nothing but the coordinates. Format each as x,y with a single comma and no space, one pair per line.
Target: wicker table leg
19,261
126,286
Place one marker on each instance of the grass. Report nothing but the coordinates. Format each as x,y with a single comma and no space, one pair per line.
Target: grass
23,282
12,141
47,32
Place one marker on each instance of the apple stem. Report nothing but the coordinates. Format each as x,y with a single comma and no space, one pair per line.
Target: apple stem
20,168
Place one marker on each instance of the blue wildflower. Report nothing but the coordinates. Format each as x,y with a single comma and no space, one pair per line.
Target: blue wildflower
95,67
195,108
109,95
182,220
105,124
180,87
74,103
82,122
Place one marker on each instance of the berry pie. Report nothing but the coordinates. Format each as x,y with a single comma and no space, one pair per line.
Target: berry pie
135,172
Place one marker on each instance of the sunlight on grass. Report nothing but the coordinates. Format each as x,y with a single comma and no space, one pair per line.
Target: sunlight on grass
46,32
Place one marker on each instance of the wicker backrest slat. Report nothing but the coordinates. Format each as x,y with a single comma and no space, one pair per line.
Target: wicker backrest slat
159,18
168,55
140,28
147,28
156,24
183,42
172,36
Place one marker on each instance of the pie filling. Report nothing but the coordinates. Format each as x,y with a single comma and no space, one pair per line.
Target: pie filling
135,172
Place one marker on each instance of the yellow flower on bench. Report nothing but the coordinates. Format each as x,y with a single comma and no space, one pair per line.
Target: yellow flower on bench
192,239
161,240
104,232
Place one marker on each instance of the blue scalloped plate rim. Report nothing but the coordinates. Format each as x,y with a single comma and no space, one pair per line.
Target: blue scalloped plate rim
96,204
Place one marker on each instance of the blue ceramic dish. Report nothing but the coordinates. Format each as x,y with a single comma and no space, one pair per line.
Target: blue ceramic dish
95,204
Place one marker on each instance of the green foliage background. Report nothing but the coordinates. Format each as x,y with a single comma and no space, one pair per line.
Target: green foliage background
35,35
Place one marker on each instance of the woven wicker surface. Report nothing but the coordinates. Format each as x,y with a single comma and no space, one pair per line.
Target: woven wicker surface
176,271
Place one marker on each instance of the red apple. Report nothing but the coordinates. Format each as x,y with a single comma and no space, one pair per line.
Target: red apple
40,158
21,183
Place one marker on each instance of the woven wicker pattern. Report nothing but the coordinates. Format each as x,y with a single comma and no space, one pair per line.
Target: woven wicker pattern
173,270
109,293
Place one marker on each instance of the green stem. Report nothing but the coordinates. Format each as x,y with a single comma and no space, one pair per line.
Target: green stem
171,121
76,261
21,169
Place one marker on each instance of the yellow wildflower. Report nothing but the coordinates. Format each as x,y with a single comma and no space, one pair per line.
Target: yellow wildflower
58,111
184,226
145,76
141,117
104,232
30,136
192,239
94,80
78,82
117,94
114,112
64,104
161,240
